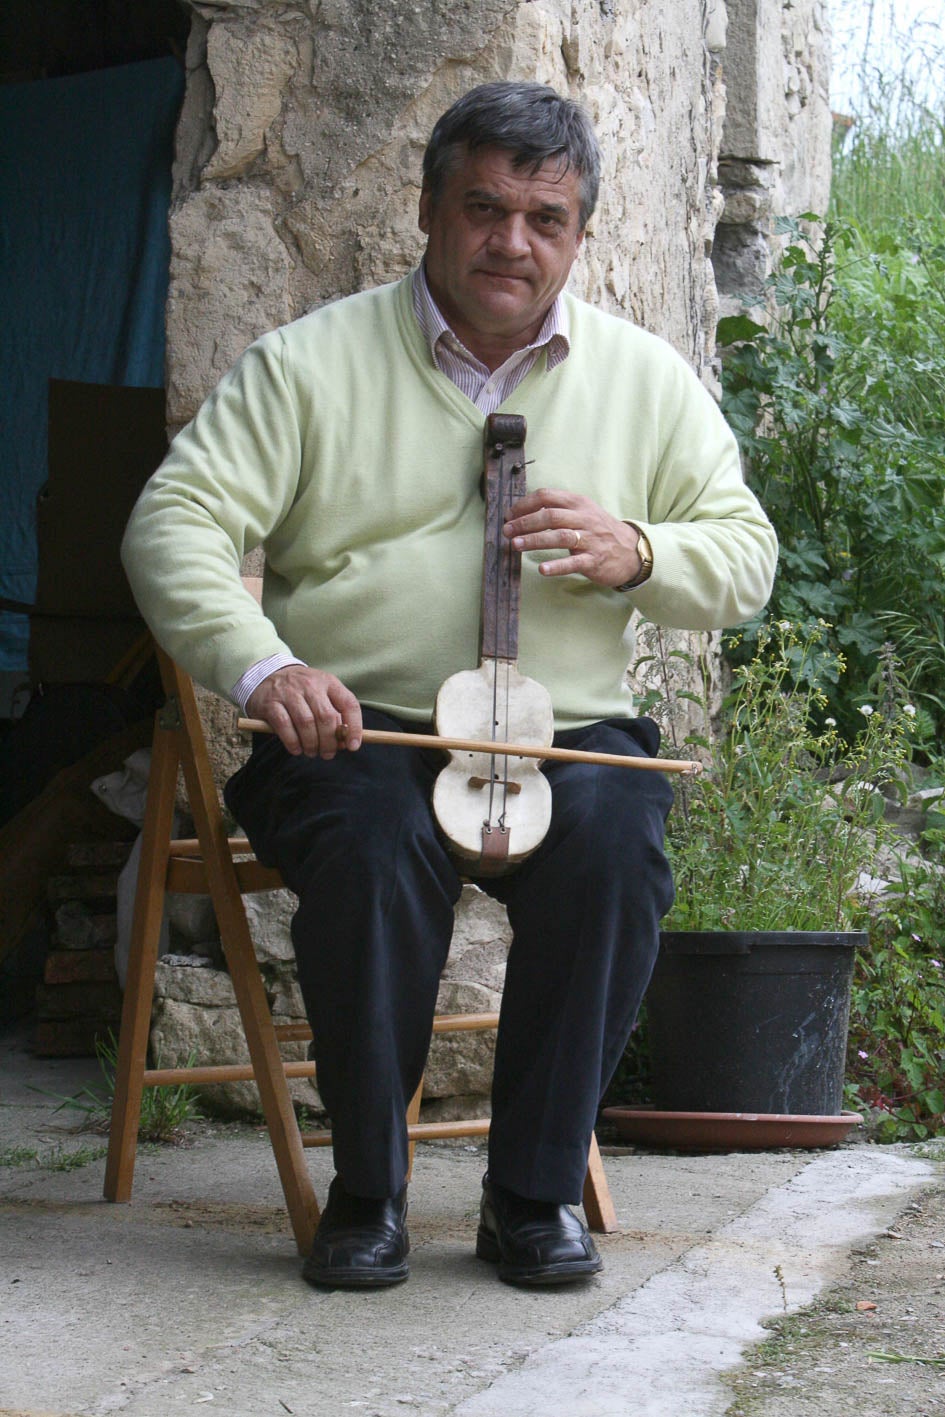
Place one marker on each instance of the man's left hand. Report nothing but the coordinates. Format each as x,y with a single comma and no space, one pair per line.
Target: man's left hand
599,546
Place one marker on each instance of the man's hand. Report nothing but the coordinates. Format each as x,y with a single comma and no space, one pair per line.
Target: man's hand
601,547
305,708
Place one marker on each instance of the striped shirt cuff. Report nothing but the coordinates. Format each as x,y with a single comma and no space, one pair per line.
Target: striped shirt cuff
254,676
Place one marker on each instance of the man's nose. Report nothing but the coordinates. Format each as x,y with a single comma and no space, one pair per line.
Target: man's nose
510,235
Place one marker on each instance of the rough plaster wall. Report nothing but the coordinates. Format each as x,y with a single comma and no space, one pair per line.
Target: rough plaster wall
304,125
775,155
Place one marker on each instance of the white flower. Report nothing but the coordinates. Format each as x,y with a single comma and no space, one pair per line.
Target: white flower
866,710
830,722
784,625
909,710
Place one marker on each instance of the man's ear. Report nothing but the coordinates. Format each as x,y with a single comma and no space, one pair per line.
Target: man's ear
423,215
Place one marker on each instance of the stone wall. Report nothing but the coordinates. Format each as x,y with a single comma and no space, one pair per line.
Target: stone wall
297,174
196,1017
297,181
775,155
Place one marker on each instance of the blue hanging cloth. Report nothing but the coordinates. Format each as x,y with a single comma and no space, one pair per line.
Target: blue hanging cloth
85,182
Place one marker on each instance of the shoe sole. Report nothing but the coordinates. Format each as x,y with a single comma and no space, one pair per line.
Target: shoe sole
537,1276
355,1278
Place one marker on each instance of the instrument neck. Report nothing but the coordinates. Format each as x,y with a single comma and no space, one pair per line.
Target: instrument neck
503,483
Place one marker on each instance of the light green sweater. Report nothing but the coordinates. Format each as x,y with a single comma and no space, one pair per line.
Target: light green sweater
337,445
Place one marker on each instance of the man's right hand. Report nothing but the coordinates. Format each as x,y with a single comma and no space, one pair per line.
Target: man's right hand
305,708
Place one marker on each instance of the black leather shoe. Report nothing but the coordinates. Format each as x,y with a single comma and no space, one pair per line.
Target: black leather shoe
360,1243
533,1242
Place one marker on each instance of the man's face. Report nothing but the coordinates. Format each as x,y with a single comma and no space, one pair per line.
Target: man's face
500,244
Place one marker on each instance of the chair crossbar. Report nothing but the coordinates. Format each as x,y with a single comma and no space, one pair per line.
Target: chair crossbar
420,1131
207,1075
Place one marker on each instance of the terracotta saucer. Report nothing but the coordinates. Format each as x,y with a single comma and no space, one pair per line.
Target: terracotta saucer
728,1131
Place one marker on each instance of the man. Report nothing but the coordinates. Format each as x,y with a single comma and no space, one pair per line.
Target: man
349,445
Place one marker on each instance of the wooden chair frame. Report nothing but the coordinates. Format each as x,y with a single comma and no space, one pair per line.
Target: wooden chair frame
223,868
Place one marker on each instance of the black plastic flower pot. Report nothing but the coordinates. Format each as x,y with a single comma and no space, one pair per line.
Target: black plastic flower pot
751,1022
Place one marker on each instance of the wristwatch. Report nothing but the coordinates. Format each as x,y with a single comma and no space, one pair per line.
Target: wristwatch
645,553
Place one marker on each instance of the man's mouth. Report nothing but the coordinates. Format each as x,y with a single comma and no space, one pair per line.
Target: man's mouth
502,275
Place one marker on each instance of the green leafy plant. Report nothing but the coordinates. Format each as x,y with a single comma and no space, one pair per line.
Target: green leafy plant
164,1110
839,408
896,1053
776,832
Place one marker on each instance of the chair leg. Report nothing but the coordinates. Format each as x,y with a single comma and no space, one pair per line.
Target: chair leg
413,1116
598,1205
139,985
244,970
267,1068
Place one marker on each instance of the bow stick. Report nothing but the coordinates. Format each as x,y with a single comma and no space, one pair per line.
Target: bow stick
509,750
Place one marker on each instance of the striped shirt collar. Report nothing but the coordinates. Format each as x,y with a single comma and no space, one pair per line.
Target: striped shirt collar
452,357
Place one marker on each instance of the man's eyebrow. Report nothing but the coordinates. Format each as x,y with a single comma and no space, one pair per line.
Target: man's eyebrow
483,194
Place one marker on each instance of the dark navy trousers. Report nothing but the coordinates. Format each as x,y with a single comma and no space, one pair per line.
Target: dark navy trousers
356,840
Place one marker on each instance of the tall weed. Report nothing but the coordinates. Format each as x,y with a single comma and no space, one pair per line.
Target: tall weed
889,163
839,407
896,1050
839,399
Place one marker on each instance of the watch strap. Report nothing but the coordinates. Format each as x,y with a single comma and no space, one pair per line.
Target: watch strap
645,552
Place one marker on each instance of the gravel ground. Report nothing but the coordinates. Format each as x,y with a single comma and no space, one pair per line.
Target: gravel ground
873,1345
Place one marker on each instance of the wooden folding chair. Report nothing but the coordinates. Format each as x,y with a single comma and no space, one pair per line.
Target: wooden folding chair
223,868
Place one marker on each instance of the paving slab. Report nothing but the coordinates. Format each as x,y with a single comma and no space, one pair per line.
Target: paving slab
191,1296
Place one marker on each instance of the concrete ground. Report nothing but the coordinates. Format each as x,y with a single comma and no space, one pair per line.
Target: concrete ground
191,1295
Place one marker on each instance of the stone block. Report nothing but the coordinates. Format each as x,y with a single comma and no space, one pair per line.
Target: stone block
481,939
747,204
191,919
229,262
94,888
80,966
186,1029
82,999
252,65
462,1062
205,988
270,922
78,927
227,747
81,855
455,1109
287,997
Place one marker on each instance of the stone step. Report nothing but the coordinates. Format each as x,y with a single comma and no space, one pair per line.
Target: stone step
81,855
77,927
71,1038
81,1000
90,886
91,966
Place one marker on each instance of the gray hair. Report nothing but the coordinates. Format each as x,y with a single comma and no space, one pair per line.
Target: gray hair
530,121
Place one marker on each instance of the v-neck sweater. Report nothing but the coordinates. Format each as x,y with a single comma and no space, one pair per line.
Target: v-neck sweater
337,445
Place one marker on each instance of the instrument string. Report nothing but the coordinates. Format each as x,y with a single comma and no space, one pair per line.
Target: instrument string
497,587
502,584
507,557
